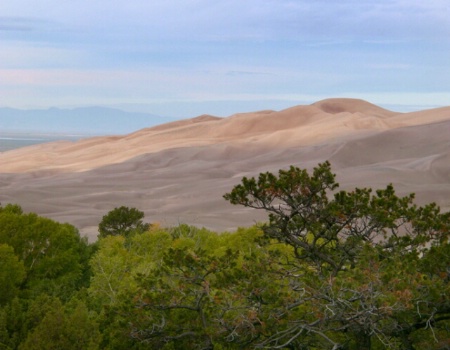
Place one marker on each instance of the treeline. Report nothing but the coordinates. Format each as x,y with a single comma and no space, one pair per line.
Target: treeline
329,270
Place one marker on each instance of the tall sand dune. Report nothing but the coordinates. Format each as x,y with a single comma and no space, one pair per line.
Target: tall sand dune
178,172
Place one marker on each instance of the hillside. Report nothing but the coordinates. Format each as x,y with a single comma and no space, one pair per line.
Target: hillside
178,172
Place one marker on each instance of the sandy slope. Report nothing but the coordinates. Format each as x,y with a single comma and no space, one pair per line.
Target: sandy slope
178,172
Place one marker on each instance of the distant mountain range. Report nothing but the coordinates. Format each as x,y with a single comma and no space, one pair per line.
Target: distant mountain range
86,121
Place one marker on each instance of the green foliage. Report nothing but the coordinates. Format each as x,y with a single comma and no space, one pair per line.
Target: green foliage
64,328
54,256
122,221
12,273
178,290
12,324
41,262
11,209
349,248
111,267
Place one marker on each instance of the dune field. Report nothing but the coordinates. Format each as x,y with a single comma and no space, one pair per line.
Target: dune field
178,172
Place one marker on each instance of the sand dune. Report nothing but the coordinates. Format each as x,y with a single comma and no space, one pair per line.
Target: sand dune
178,172
351,105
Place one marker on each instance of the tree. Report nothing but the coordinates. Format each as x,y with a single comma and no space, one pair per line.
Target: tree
64,328
349,247
54,255
12,273
11,208
122,221
187,290
13,318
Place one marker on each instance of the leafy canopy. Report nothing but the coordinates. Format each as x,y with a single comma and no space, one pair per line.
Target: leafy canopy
53,255
349,248
122,221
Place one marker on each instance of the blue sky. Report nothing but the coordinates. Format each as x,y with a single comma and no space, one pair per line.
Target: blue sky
184,58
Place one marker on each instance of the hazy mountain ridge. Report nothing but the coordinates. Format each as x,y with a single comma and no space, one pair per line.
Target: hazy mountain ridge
178,172
85,120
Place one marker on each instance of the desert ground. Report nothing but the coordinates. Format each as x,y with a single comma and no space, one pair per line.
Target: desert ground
178,172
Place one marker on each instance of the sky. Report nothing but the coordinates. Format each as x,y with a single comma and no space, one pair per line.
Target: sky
182,58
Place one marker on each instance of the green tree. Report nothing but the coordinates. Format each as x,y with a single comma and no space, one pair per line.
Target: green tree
12,273
122,221
11,208
54,255
12,324
187,288
113,284
349,247
70,327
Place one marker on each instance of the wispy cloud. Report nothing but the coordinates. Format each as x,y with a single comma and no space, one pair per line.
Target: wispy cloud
237,20
20,24
237,73
16,24
389,66
138,50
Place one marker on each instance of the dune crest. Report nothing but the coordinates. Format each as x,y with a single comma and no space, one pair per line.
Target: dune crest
351,105
311,123
178,172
